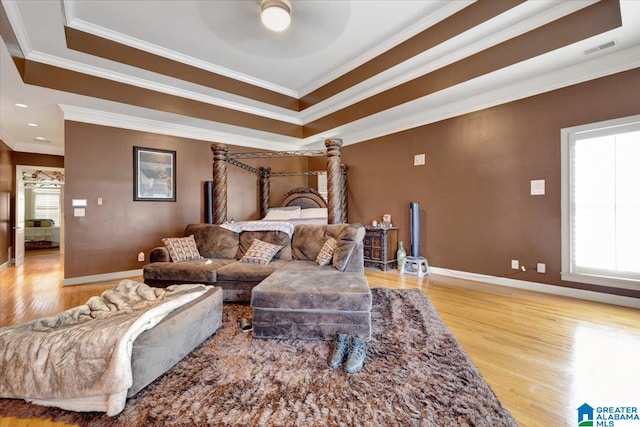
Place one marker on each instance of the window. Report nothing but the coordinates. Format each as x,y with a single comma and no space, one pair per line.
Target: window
46,204
601,203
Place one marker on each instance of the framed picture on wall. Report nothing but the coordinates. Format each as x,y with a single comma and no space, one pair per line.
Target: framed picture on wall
154,175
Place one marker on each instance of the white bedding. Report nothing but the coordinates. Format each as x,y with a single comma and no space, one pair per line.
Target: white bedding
80,360
295,215
37,234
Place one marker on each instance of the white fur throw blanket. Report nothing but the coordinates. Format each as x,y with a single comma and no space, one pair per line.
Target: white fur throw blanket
80,360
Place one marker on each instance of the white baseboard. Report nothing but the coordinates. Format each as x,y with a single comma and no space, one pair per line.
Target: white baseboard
102,277
6,264
541,287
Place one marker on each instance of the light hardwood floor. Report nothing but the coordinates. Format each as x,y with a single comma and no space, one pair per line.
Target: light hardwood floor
542,355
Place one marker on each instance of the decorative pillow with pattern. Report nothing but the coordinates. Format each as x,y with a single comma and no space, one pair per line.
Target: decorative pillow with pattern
326,252
260,252
182,248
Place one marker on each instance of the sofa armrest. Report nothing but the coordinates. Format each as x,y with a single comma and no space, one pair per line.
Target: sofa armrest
159,254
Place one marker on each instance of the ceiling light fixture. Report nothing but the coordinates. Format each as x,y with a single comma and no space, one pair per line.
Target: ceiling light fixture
21,105
276,14
32,125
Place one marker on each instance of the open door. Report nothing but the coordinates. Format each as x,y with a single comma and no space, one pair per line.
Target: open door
42,177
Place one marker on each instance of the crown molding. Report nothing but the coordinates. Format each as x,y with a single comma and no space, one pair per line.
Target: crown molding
439,106
432,108
471,42
17,24
159,87
428,21
103,118
97,30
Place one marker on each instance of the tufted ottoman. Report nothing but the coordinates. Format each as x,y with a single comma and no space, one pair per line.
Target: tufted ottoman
304,301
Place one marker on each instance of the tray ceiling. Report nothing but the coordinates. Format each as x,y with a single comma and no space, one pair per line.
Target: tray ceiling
350,69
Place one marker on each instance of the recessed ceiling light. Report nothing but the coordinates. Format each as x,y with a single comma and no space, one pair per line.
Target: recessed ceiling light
21,105
32,124
41,139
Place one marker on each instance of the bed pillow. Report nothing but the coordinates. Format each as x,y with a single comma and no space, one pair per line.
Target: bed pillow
182,248
281,214
326,252
260,252
313,213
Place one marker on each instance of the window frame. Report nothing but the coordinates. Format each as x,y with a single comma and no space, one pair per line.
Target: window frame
568,136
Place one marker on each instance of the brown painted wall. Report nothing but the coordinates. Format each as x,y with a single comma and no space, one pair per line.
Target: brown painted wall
33,159
6,191
476,210
99,163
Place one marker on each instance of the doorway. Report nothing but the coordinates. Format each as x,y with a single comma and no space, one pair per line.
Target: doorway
39,210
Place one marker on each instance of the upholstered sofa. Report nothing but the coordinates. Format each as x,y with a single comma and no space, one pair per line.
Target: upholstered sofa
291,296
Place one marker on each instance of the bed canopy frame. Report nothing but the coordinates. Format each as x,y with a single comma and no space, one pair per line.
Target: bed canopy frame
336,202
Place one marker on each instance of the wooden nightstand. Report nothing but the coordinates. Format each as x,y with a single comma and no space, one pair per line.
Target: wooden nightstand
380,247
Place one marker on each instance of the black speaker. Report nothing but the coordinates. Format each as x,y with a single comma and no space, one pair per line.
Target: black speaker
414,218
208,202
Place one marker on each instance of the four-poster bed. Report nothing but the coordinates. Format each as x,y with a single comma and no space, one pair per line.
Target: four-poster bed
336,203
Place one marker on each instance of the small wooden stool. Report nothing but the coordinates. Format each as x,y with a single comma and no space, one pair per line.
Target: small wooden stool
416,265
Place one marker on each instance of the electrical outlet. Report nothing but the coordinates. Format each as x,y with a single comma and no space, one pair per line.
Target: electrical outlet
418,160
515,264
542,268
141,256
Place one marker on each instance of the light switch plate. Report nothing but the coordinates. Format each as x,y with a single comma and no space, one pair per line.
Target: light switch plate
418,160
537,187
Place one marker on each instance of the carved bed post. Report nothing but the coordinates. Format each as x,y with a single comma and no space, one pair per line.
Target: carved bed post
344,168
265,190
219,182
334,181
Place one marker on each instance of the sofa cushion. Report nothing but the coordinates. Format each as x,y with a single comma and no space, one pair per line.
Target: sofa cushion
309,239
350,236
305,285
214,241
242,272
279,238
181,248
197,271
325,256
260,252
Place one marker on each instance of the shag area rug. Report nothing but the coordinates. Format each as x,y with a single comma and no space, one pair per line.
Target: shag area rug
416,374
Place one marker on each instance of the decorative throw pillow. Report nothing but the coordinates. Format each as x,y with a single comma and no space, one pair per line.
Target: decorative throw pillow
182,248
260,252
326,253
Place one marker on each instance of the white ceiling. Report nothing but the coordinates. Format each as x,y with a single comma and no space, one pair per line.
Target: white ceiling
326,39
